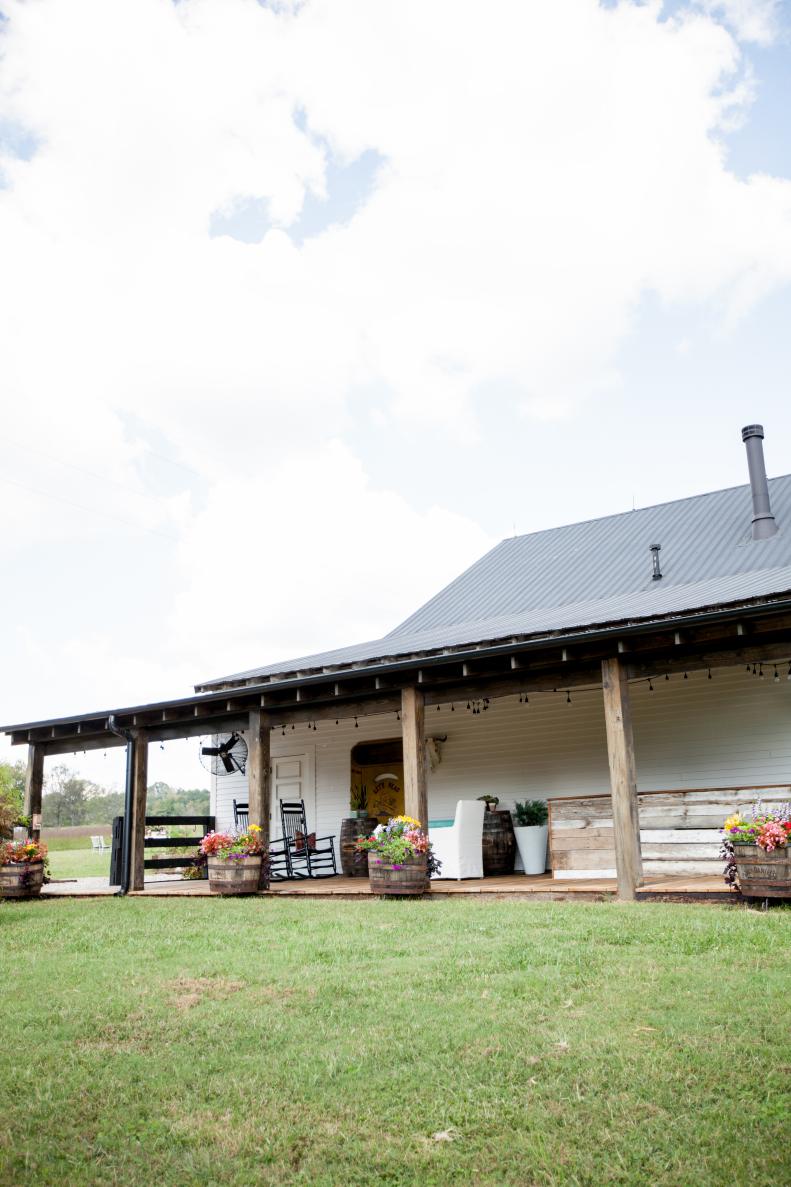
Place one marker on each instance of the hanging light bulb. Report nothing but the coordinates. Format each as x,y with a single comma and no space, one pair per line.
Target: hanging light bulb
760,671
568,697
650,686
748,668
453,708
710,673
438,708
685,676
667,675
776,678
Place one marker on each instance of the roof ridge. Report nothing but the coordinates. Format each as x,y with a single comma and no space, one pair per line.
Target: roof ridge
578,523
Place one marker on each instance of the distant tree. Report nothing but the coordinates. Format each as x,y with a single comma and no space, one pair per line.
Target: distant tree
12,783
12,794
65,798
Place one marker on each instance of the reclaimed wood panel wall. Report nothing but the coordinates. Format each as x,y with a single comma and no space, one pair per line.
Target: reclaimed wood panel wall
679,830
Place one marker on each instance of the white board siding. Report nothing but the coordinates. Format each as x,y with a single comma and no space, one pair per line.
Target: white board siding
733,729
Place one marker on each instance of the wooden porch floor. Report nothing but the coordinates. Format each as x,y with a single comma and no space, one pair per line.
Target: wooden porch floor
514,886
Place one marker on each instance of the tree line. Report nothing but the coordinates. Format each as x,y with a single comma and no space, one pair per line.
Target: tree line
68,799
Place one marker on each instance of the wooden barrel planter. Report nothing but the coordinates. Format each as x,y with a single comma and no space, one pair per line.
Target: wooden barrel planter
761,874
21,879
351,831
409,877
235,875
499,843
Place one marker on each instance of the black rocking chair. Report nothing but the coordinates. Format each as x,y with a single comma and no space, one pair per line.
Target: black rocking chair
305,852
279,867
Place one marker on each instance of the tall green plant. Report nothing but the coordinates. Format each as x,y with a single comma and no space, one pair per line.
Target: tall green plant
531,813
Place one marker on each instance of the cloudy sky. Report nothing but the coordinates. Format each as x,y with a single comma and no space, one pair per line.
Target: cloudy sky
305,304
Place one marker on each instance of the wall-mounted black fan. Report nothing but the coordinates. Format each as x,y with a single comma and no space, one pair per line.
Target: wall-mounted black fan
225,756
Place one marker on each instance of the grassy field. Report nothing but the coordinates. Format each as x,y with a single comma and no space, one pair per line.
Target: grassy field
79,863
448,1042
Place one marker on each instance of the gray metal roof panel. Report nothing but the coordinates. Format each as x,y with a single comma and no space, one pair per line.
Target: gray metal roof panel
701,537
590,573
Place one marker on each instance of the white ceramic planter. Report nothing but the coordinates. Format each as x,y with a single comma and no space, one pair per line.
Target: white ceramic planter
531,841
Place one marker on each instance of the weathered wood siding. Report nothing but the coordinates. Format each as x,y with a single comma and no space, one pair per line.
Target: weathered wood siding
679,831
732,730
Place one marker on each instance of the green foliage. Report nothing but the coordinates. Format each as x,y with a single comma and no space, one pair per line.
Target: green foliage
203,1041
530,813
12,794
70,800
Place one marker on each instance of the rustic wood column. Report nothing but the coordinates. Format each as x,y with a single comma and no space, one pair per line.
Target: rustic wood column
623,777
415,755
139,792
34,787
258,770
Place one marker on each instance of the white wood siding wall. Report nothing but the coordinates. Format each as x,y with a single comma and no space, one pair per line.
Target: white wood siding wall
730,730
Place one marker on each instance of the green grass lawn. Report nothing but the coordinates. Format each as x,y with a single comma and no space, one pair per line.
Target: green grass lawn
448,1042
79,863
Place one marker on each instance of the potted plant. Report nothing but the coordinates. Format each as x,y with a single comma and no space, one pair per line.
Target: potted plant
400,857
530,830
491,802
22,868
358,824
358,799
238,862
757,852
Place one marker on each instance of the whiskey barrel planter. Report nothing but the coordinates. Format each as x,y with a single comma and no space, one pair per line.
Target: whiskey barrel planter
235,875
499,843
21,879
761,874
407,877
351,831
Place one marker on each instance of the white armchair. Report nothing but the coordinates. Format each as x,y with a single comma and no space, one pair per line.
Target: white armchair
459,847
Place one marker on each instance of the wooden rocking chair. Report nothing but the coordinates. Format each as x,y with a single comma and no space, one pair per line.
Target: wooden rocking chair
307,854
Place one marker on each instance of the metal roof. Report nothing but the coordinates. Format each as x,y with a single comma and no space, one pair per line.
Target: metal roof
588,574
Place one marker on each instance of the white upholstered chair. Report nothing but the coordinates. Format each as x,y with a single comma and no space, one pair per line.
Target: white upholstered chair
459,847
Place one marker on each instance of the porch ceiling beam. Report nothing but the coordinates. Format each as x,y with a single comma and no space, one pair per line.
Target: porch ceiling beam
75,744
697,661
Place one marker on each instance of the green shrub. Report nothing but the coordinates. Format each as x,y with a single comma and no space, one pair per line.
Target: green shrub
531,813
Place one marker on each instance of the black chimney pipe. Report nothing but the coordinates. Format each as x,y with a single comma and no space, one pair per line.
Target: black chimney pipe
764,524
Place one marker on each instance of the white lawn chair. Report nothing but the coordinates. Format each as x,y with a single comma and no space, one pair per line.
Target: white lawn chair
460,847
98,845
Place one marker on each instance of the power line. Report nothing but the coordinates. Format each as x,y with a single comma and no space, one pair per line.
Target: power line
91,510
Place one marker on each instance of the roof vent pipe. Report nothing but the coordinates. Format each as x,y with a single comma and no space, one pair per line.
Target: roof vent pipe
657,573
764,524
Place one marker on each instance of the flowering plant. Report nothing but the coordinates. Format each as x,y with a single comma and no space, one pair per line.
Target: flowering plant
396,842
234,846
22,852
769,830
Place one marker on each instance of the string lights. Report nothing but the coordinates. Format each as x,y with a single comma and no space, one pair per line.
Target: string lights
475,706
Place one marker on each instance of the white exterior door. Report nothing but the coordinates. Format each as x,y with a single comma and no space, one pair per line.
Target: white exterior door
292,779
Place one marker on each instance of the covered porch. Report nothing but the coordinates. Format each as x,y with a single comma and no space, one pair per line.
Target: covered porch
422,698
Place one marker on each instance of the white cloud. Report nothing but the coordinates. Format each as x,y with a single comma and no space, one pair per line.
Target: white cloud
544,167
751,20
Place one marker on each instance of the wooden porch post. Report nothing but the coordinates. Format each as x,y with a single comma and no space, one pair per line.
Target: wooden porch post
623,778
139,790
34,785
258,770
415,755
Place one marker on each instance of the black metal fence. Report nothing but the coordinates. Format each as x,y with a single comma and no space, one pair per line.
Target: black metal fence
205,823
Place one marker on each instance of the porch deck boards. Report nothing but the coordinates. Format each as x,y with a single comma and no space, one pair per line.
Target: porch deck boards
514,886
